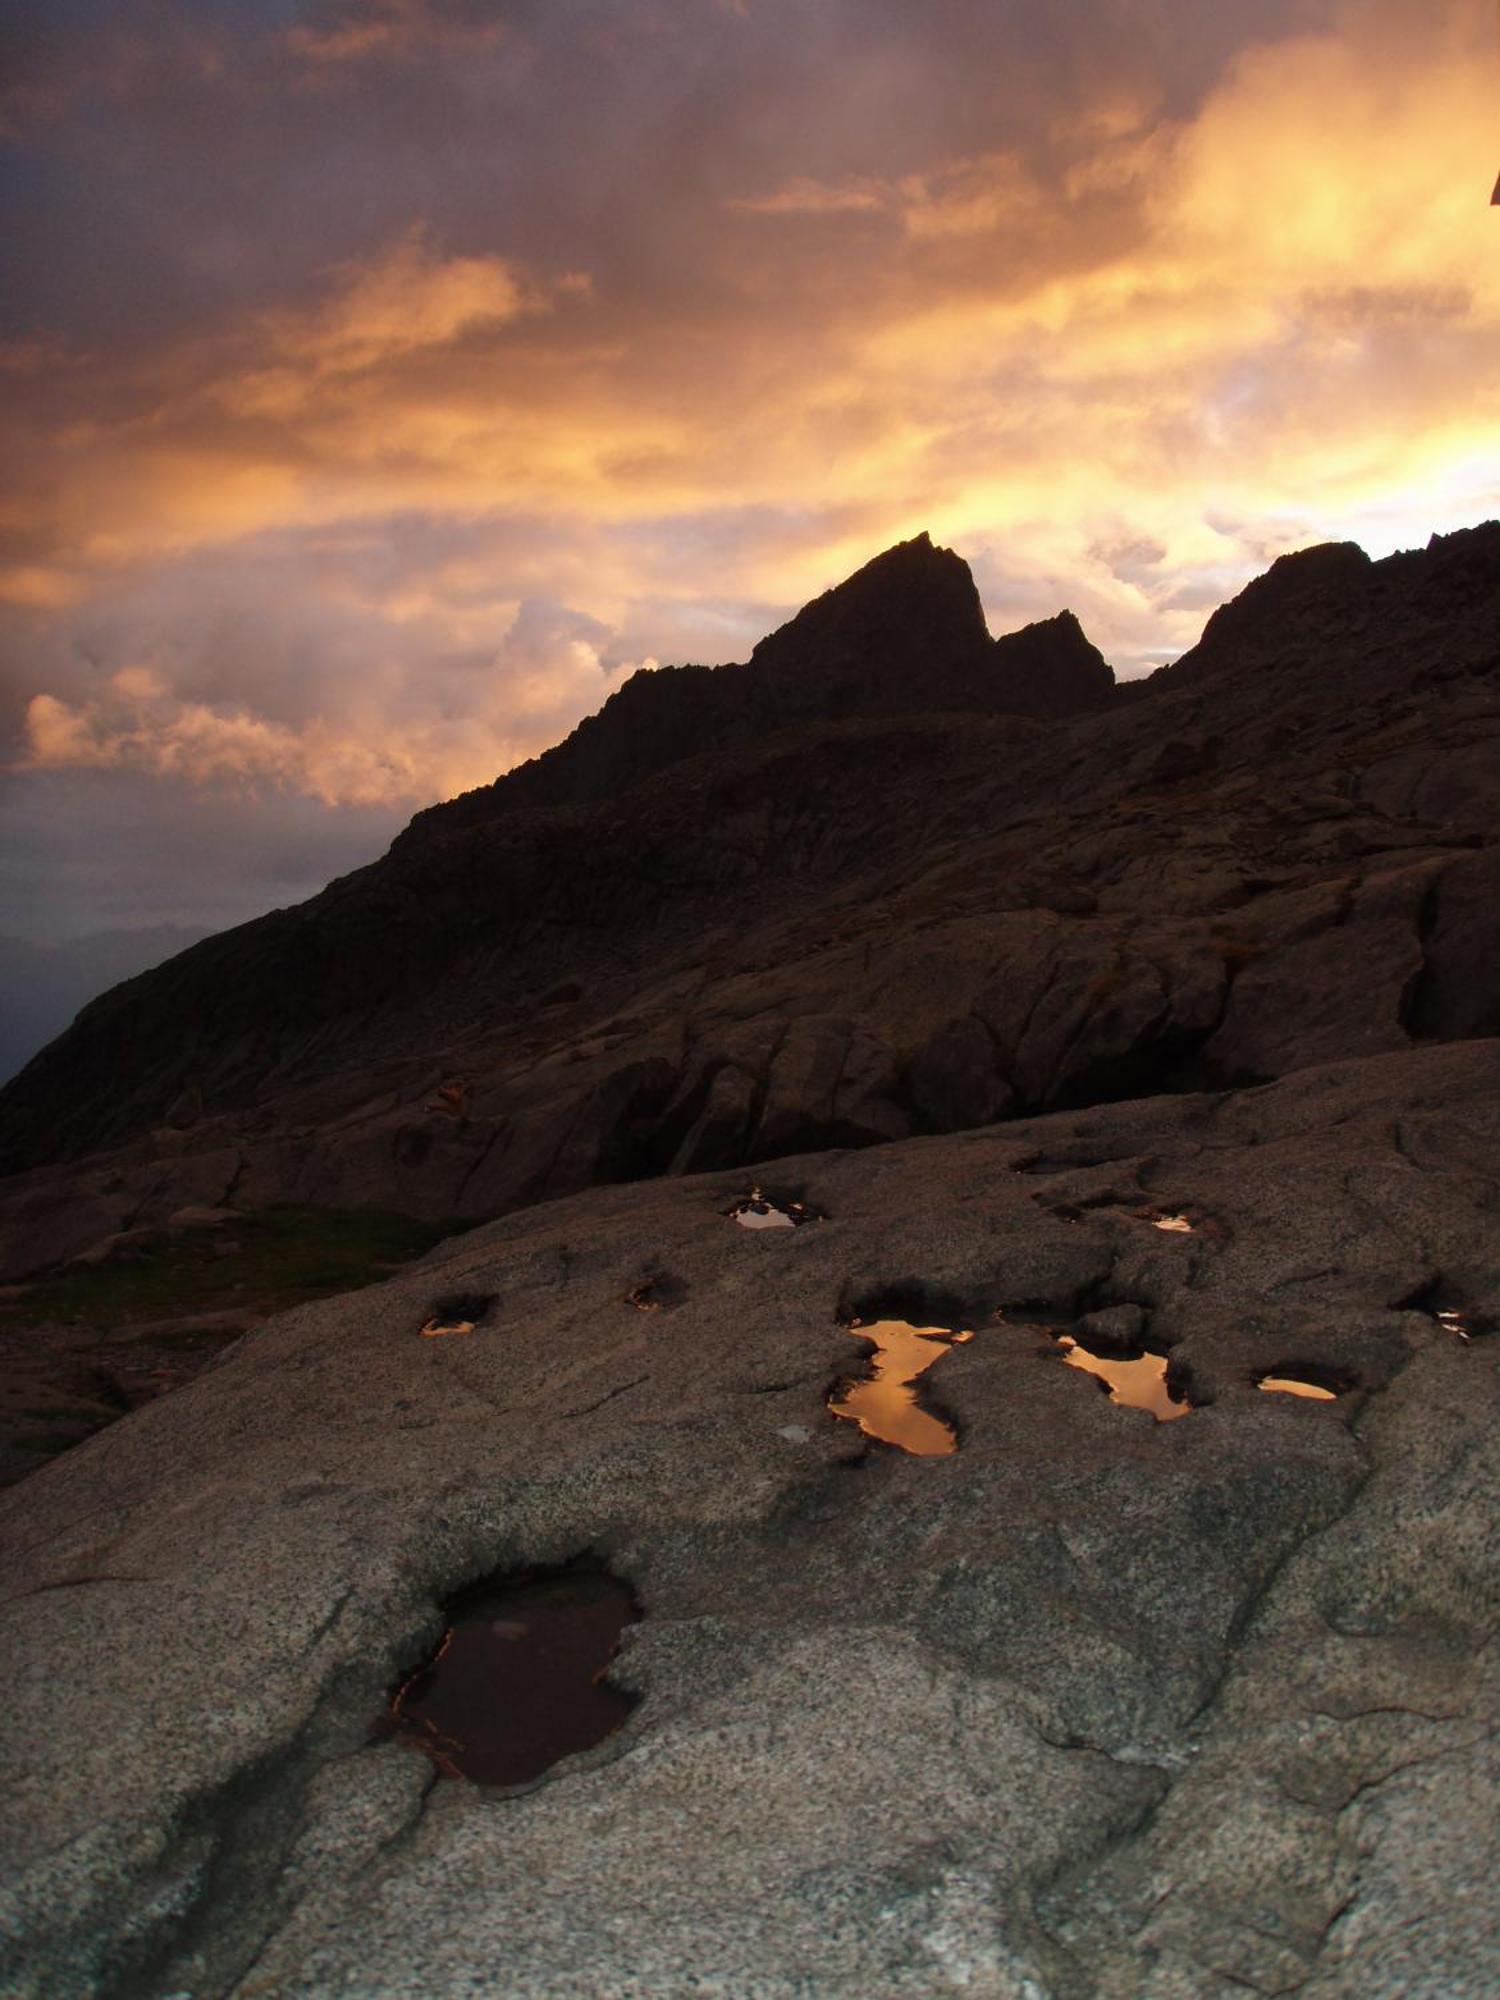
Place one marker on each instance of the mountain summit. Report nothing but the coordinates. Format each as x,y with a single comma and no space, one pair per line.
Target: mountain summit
905,635
889,876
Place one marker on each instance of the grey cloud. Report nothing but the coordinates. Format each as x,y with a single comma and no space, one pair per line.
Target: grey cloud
82,851
194,175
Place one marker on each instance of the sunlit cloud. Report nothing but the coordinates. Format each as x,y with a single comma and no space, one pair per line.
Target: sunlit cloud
809,197
34,587
375,529
409,301
550,664
369,31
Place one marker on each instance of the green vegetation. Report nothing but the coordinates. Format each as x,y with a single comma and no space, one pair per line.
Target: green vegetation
48,1444
263,1261
78,1416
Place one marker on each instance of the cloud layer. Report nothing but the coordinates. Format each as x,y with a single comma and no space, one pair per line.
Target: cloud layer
388,378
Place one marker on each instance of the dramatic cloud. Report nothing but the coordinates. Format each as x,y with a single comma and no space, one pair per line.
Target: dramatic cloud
388,378
392,30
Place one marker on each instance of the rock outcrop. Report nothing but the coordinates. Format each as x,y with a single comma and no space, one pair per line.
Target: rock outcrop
1098,1705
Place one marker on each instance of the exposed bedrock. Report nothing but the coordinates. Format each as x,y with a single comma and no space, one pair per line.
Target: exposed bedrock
1095,1706
893,1031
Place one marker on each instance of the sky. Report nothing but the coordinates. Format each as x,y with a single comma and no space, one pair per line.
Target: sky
385,380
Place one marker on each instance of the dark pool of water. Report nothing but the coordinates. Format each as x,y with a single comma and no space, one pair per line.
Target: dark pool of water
886,1404
517,1680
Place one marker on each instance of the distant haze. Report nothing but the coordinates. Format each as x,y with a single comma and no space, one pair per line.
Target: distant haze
43,986
384,380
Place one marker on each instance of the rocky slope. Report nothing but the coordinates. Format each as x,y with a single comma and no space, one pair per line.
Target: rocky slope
1178,1009
1098,1708
888,877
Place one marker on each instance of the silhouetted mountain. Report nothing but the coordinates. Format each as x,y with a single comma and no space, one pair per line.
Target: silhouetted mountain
905,635
889,876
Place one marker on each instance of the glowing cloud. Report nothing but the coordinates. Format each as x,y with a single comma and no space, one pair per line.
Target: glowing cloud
1120,351
368,31
548,667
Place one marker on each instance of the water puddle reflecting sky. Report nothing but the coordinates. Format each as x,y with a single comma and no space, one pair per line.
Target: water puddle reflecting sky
759,1211
459,1312
517,1680
886,1406
1138,1381
1296,1385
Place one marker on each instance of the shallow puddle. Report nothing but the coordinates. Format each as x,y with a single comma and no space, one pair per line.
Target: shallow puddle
517,1680
1297,1385
885,1404
1138,1381
657,1295
759,1211
459,1313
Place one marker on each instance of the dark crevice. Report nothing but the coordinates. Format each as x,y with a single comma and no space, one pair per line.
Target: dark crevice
588,1409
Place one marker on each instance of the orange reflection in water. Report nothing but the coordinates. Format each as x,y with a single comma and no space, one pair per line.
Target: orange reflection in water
1293,1385
1140,1382
885,1405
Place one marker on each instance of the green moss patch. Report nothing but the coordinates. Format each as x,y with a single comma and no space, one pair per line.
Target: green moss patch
264,1261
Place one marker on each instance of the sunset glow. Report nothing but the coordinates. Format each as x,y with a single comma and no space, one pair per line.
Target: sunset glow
388,379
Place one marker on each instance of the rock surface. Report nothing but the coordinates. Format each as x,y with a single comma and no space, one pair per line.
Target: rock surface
1096,1707
888,877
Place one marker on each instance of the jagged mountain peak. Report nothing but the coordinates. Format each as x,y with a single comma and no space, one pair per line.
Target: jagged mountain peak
904,635
906,602
1312,603
939,879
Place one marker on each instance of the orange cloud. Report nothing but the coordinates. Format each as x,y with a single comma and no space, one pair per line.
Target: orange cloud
802,196
547,668
390,30
1275,320
409,301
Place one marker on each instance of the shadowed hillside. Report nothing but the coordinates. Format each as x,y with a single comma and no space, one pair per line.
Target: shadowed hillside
889,876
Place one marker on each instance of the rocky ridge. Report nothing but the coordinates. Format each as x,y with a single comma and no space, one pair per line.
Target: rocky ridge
1096,1707
835,931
